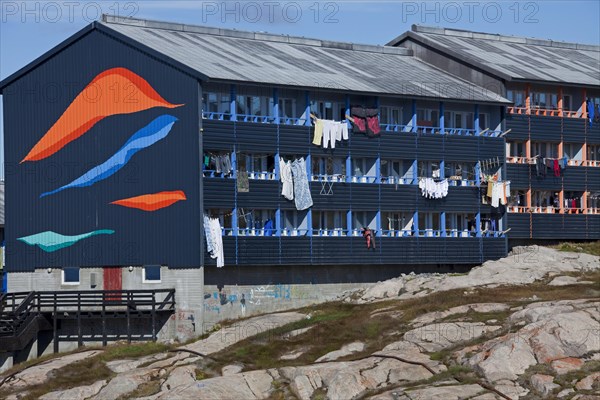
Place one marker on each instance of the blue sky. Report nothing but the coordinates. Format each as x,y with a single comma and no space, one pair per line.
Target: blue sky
28,29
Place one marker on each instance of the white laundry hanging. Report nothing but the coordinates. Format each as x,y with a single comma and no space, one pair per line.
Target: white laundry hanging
432,189
214,239
287,180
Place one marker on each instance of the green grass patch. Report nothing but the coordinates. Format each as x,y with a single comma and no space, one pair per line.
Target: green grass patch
586,247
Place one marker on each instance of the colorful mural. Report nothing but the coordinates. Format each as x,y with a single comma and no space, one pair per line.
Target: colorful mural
152,202
51,241
145,137
113,92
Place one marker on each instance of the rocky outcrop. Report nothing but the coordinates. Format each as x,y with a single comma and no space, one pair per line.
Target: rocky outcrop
439,336
39,374
346,350
82,392
524,265
552,331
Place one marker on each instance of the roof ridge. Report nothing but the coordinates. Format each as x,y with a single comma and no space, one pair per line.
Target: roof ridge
263,36
503,38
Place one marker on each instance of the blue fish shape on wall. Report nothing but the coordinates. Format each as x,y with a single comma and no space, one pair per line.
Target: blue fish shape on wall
51,241
145,137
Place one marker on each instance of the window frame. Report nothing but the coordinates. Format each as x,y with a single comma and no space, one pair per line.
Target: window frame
70,283
145,280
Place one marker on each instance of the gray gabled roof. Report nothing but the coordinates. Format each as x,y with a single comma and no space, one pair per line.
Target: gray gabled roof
258,58
512,57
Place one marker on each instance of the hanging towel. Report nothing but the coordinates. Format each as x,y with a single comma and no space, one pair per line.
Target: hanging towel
269,228
556,168
302,195
285,173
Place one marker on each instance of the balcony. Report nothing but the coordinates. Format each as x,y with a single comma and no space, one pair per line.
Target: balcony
432,130
545,112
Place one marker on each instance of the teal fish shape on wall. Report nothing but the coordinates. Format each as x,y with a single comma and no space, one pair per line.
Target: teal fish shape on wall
51,241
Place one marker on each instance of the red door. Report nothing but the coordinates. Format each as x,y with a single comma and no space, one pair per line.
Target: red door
113,280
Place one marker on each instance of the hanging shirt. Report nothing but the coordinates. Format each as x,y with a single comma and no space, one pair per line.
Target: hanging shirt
285,174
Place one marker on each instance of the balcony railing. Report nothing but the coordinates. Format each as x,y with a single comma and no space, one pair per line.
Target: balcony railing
545,112
283,120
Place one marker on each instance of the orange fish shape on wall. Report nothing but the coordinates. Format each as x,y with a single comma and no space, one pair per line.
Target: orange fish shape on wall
113,92
152,202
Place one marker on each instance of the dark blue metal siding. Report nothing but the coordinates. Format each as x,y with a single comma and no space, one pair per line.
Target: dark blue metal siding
494,248
258,250
297,250
256,138
262,195
365,197
459,199
294,139
172,163
593,179
593,133
593,227
490,148
399,197
574,130
519,126
398,145
546,129
363,146
518,174
549,182
339,200
575,178
219,193
519,225
218,135
431,147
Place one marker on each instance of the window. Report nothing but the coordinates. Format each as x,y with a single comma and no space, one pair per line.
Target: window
516,149
573,151
325,109
328,223
254,222
429,169
517,97
258,166
362,219
363,170
567,102
483,121
543,149
294,223
70,276
390,115
249,105
545,100
328,167
397,223
429,224
151,274
593,152
426,117
459,225
396,171
216,103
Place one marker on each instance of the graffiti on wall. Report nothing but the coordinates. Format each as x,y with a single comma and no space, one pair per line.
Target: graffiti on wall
253,297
